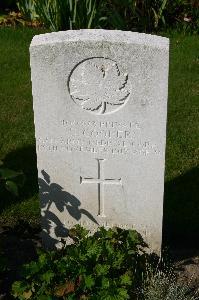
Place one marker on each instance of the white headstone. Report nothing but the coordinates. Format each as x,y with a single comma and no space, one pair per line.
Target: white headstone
100,103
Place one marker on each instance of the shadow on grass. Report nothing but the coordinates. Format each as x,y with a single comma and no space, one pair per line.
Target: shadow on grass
18,245
181,212
22,159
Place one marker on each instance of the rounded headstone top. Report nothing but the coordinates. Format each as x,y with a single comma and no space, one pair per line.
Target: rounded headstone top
116,36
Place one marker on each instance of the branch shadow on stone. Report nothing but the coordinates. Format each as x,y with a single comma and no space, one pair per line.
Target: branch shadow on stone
53,194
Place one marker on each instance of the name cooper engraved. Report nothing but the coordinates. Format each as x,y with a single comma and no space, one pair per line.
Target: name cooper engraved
98,85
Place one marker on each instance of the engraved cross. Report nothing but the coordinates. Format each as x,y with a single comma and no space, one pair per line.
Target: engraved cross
100,181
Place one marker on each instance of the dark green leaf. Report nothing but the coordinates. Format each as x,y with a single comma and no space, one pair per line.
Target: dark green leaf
19,287
89,281
12,187
105,282
101,269
48,276
125,279
44,297
9,174
122,294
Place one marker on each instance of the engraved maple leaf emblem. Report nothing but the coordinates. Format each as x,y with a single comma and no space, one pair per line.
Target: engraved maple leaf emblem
97,83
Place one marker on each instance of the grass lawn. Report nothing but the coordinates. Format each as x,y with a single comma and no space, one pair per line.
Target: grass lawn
17,144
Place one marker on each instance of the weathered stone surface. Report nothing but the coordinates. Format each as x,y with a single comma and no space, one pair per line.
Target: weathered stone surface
100,102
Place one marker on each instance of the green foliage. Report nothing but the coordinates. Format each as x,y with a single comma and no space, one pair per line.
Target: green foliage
134,15
11,180
108,265
62,14
27,8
